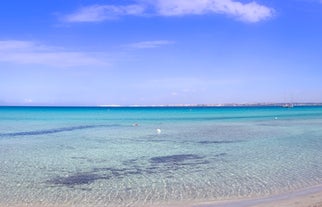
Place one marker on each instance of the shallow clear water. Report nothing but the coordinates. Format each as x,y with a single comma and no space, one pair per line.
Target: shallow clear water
116,157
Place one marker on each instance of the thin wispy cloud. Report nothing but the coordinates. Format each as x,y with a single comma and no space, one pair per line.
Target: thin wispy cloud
97,13
248,12
149,44
27,52
15,44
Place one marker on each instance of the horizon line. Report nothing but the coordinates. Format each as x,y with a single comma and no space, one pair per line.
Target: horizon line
179,105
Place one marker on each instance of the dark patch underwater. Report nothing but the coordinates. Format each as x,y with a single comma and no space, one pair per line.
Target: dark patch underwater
220,142
76,179
136,167
52,131
175,158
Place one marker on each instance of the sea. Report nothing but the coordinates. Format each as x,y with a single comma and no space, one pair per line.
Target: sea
156,156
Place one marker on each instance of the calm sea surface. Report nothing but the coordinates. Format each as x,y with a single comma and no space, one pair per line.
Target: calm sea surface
155,156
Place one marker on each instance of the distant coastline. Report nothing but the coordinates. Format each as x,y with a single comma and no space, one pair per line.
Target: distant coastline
218,105
263,104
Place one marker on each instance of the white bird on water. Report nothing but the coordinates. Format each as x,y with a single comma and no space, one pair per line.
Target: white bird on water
159,131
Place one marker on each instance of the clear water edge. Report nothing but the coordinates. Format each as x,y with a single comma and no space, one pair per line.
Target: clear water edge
96,157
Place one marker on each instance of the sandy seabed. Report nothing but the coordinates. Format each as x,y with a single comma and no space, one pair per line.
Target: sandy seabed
309,197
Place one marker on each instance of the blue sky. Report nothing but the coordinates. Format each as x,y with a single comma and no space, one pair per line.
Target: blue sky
95,52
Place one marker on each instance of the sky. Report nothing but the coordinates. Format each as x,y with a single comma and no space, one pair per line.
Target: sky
151,52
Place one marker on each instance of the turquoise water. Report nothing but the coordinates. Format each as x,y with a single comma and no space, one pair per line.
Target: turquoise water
118,157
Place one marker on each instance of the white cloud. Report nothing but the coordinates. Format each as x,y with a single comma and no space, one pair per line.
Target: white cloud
27,52
248,12
149,44
174,94
27,100
14,44
97,13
